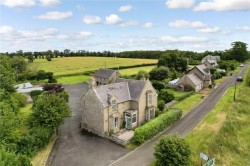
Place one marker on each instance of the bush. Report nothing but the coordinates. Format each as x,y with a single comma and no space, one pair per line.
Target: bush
161,105
159,85
142,74
166,96
53,87
10,158
21,99
64,95
36,139
172,150
155,126
159,73
35,93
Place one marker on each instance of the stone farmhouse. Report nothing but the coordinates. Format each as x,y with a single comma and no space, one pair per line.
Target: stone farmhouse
210,63
210,57
124,104
106,76
197,78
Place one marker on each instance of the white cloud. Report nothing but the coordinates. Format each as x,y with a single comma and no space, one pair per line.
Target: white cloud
179,3
129,23
113,19
91,19
85,34
224,5
55,15
6,29
186,24
18,3
209,30
183,39
148,25
49,2
243,28
125,8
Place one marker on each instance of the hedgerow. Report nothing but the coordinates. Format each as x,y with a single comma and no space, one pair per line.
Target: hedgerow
155,126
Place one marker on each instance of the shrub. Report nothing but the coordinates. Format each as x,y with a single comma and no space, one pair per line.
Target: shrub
161,105
166,96
172,150
155,126
10,158
159,73
35,93
21,99
159,85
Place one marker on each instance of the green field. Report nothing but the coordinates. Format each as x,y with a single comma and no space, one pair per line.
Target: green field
134,70
225,132
77,65
76,79
73,79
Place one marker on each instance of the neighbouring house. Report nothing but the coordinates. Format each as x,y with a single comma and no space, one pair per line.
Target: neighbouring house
106,76
26,88
197,78
210,63
125,104
210,57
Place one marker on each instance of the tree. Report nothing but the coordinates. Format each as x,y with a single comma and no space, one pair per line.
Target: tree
7,77
161,105
172,150
159,73
142,74
239,51
49,109
166,96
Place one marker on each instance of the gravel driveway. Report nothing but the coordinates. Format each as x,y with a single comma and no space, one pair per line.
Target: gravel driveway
78,148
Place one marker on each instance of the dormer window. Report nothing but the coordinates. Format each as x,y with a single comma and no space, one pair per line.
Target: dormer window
113,104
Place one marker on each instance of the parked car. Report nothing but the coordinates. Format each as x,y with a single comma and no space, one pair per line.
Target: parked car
242,65
239,79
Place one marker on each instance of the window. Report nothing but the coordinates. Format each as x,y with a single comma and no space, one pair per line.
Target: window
134,118
150,99
116,122
152,114
113,103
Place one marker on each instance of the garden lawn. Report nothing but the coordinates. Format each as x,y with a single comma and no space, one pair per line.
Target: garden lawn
78,65
135,70
25,111
225,132
73,79
189,103
177,94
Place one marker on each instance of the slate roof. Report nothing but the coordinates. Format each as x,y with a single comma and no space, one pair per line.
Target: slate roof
203,69
123,90
104,73
194,78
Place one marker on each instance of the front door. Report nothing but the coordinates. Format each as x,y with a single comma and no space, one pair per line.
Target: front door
128,121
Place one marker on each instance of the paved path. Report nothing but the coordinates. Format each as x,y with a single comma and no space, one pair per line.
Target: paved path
143,156
76,148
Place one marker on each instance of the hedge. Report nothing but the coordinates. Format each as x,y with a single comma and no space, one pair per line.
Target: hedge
155,126
188,94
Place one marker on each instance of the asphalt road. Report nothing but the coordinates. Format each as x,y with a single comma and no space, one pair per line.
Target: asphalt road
143,155
77,148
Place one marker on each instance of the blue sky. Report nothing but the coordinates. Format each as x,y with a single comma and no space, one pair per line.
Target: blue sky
116,25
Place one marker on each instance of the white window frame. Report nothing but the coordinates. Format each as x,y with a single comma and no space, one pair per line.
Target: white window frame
113,104
150,99
116,122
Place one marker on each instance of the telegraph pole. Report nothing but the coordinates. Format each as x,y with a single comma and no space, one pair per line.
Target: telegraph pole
235,87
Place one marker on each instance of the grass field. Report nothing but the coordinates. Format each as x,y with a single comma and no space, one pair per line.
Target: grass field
225,132
134,70
73,79
76,79
77,65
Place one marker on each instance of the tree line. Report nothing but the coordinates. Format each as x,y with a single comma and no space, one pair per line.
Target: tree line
237,48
